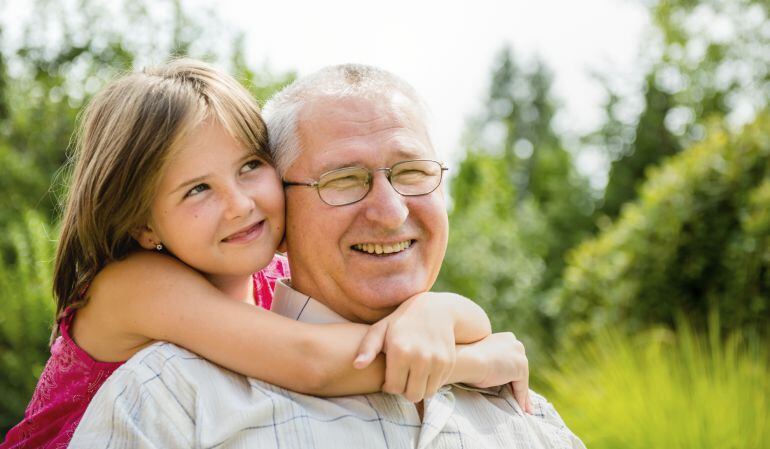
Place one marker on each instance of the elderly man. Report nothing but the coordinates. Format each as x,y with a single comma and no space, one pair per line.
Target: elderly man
366,228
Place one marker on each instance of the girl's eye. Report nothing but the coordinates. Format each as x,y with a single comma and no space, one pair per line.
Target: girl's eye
251,165
197,189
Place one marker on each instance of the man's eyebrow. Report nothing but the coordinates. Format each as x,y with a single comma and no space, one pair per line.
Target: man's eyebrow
402,154
411,153
330,166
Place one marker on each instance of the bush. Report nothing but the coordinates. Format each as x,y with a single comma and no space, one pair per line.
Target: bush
28,310
494,256
697,239
665,390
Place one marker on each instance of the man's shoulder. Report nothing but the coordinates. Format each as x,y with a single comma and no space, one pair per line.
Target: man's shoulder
158,355
543,409
165,373
498,402
167,360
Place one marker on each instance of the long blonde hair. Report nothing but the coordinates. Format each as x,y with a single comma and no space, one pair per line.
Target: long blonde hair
126,135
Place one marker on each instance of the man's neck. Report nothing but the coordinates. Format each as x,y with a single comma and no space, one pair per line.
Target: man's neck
293,304
307,287
296,305
335,298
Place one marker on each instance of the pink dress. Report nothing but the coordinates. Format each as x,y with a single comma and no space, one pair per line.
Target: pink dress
71,378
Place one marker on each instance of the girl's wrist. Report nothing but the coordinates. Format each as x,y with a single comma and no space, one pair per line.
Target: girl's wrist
469,367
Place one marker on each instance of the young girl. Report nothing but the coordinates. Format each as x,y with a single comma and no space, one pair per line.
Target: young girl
172,173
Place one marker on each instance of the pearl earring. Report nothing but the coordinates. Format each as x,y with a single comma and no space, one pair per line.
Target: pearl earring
159,247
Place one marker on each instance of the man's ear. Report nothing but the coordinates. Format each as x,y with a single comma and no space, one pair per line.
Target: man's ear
145,236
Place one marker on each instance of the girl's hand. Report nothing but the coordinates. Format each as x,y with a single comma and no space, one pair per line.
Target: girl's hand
496,360
418,339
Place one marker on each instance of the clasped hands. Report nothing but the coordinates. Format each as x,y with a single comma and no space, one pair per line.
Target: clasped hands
435,339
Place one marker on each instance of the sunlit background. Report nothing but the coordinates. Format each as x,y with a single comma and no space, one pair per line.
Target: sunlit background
609,183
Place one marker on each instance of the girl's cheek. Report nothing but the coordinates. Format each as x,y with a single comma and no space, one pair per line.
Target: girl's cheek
205,209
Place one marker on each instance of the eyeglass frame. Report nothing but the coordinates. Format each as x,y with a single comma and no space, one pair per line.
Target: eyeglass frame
316,184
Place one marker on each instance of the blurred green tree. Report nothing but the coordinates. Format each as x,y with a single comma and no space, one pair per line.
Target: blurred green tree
518,205
708,59
648,143
696,240
25,324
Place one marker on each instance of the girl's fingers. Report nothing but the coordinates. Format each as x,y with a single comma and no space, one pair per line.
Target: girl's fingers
441,370
521,394
433,384
417,382
396,374
371,345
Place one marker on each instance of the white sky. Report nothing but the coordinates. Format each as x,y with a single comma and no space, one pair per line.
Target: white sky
446,49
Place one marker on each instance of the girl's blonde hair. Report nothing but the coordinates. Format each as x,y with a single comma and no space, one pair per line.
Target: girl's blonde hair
126,135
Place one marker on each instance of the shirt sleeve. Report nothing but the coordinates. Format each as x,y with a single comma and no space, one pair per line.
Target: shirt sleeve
138,407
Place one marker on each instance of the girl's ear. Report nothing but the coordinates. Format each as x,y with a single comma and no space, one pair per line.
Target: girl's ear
145,236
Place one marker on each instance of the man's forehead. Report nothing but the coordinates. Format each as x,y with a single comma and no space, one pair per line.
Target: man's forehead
332,131
351,114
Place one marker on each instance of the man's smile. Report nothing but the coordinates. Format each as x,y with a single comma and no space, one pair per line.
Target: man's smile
383,248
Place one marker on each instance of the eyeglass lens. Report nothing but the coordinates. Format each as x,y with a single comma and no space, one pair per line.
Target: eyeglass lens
351,184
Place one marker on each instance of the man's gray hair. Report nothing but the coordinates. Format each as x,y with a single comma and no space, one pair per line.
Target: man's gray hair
281,112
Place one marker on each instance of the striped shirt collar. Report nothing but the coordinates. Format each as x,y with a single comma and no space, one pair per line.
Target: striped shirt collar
301,307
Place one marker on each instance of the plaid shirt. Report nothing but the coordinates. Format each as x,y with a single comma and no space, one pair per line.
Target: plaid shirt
167,397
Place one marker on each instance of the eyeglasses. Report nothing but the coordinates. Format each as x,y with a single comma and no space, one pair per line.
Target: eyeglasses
351,184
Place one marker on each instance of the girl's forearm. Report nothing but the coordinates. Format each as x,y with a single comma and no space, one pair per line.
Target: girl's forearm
154,297
469,368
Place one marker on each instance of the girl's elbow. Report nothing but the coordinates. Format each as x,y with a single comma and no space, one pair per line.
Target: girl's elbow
314,379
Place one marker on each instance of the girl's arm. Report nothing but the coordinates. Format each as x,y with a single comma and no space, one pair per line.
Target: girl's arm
150,297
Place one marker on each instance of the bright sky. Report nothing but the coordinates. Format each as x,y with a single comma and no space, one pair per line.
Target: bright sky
446,49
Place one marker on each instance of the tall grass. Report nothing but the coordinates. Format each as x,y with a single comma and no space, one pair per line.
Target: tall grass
666,390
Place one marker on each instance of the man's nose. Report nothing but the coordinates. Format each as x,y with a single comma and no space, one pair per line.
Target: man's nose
384,205
238,202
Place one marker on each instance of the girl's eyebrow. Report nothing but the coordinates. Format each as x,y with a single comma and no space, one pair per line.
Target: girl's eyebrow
190,182
203,177
248,156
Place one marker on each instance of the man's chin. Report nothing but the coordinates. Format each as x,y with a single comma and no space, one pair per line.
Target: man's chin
371,316
380,300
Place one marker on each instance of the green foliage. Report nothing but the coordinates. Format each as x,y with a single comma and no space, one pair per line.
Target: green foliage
665,390
491,257
262,83
518,205
709,61
651,142
697,239
28,308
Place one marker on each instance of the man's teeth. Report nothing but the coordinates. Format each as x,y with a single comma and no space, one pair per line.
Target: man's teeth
376,248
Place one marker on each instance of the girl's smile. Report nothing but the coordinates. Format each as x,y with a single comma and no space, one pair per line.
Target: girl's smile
250,233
